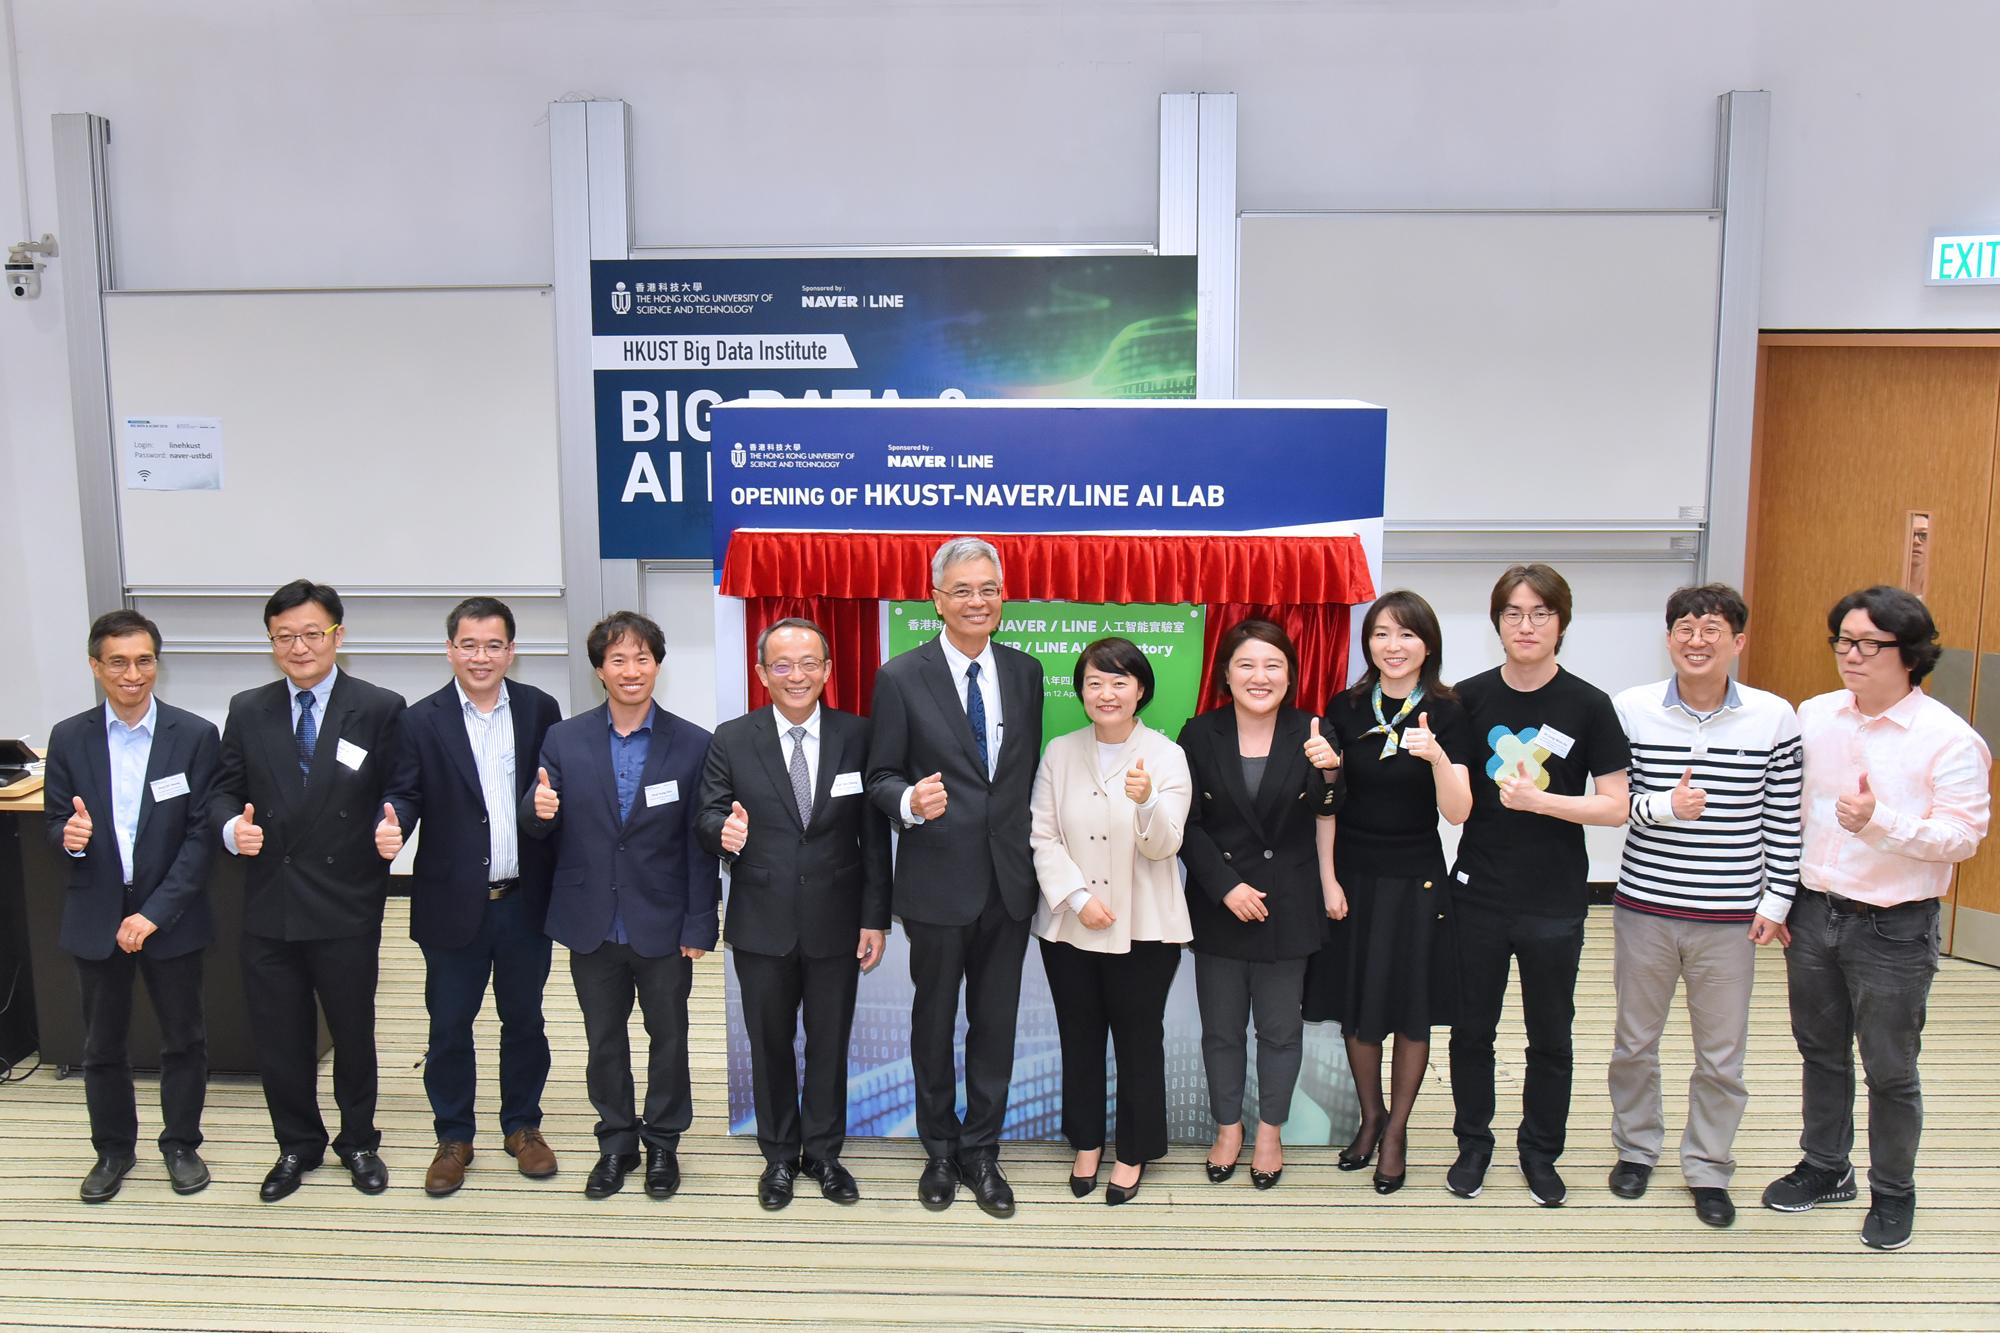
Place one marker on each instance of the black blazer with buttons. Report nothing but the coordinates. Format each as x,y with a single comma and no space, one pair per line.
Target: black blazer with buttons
170,855
1264,839
947,868
436,783
319,876
811,887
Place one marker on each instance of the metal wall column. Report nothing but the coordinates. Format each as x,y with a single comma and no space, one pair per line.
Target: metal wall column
1743,150
83,219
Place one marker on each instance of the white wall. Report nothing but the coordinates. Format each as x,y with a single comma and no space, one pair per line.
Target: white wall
277,142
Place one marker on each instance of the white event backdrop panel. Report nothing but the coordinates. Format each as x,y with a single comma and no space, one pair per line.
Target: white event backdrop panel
370,438
1535,365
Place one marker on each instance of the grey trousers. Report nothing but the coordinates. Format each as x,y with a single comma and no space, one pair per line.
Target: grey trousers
1228,991
1718,962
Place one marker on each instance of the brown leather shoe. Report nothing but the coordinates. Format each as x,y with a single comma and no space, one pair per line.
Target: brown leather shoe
447,1171
532,1152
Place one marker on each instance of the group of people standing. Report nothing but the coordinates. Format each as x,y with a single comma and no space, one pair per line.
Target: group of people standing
1295,853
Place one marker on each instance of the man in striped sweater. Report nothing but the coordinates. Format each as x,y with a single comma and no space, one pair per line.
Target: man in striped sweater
1713,844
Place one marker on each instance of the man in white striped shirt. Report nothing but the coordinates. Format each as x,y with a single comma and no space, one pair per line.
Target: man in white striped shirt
1713,844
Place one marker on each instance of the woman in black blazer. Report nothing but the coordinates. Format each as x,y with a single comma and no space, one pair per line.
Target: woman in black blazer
1256,902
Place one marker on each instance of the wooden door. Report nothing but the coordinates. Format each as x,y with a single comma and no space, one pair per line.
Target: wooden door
1853,440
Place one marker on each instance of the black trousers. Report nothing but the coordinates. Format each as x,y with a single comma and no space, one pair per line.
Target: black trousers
1122,996
985,956
514,953
282,980
774,990
1548,950
607,980
175,985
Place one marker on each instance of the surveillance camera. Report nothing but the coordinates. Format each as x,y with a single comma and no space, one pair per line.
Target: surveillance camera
24,279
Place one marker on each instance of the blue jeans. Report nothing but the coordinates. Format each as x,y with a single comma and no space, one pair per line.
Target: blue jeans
1862,977
515,955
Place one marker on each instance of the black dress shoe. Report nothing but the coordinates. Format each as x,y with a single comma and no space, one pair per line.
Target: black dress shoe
836,1182
608,1176
663,1172
1714,1206
1084,1186
1218,1174
1264,1180
774,1187
990,1189
1629,1179
186,1171
284,1177
938,1185
1115,1194
370,1175
1354,1157
101,1185
1390,1184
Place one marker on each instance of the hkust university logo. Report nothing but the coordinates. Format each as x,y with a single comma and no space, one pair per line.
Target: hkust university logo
737,455
621,300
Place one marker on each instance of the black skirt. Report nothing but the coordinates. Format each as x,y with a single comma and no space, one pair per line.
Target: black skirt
1389,967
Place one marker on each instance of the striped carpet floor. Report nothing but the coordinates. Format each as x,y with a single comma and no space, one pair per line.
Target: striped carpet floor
1320,1251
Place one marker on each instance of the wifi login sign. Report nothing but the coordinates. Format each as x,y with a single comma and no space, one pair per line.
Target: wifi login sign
171,453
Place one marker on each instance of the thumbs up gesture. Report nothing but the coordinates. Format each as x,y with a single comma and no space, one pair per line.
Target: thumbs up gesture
76,831
388,833
1319,750
928,798
249,836
1138,782
546,800
1421,741
736,828
1518,790
1855,811
1689,800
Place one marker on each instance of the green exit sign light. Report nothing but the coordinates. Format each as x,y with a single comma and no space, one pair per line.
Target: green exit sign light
1965,261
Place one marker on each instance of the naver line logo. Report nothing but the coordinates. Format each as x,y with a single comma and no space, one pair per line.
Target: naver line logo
1965,261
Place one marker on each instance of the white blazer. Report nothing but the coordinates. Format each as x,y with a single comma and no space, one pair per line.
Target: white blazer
1087,834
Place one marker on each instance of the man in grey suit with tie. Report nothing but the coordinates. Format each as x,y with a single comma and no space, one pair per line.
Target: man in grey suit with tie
958,730
126,796
782,802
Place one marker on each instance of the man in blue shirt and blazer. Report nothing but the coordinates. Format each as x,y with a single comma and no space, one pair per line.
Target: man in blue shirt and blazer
479,892
126,796
635,896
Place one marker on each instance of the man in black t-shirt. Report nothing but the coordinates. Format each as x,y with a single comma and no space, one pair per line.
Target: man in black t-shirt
1522,882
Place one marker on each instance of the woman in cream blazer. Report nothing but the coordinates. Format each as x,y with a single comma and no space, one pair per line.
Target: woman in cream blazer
1109,805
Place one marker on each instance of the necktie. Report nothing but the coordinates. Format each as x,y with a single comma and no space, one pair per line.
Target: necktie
975,713
802,790
308,736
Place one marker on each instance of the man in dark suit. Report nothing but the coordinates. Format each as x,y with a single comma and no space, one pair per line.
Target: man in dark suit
479,893
305,761
635,896
126,796
958,733
782,801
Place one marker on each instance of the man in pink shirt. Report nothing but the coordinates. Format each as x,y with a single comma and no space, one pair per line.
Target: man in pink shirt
1895,793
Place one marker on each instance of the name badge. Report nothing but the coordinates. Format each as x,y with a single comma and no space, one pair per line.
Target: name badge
1554,741
663,793
846,784
165,789
350,755
1461,877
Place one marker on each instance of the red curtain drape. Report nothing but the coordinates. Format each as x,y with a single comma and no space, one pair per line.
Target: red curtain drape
854,640
836,579
1319,635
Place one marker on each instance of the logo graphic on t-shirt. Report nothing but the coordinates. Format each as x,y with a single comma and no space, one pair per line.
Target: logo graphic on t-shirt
1517,756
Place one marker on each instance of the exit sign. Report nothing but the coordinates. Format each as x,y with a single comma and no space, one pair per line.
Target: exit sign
1964,261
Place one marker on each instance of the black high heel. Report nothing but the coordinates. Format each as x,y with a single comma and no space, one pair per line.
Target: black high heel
1350,1161
1264,1180
1083,1186
1218,1174
1387,1184
1115,1194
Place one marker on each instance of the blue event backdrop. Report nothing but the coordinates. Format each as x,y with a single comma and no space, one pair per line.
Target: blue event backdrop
1303,465
674,337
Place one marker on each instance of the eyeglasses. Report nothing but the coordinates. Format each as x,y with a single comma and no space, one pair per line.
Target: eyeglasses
493,648
805,666
985,592
312,638
1539,617
118,666
1700,633
1840,644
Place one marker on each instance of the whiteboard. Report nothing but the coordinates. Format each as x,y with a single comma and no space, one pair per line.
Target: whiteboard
1536,366
376,439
